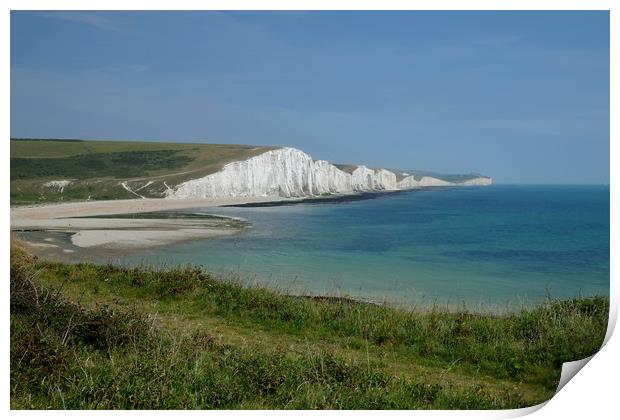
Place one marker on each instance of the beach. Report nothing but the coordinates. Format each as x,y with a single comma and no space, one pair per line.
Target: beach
87,227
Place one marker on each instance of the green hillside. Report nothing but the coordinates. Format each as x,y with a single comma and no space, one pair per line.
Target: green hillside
90,336
96,169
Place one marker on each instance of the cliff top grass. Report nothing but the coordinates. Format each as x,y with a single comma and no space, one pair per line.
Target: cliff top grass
97,168
101,336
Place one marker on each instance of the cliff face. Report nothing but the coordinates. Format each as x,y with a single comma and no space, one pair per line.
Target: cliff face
477,181
366,179
289,172
284,172
429,181
425,181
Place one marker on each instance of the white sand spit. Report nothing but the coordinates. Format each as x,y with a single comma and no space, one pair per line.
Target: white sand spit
141,238
125,233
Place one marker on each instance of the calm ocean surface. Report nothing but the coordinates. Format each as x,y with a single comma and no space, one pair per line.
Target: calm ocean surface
490,246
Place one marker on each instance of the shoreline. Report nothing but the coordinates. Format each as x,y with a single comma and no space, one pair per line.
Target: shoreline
133,205
89,228
331,198
90,232
255,324
100,229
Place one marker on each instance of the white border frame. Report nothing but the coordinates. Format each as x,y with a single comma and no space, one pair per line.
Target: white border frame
593,393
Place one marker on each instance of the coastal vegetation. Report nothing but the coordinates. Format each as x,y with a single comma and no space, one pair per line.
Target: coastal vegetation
103,336
112,164
96,169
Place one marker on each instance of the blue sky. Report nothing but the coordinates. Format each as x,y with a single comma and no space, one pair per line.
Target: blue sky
520,96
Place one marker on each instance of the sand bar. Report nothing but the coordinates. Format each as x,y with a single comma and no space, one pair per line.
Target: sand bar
141,238
126,233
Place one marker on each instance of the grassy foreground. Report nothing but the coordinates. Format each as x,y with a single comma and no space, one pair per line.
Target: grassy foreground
99,336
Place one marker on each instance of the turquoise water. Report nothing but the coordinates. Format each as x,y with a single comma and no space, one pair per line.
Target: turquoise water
485,246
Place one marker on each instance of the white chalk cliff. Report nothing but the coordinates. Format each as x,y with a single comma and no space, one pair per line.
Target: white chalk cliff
289,172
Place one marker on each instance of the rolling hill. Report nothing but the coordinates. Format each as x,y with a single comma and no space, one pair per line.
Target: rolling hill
51,170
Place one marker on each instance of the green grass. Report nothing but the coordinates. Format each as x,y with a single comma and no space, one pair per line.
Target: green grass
121,165
97,168
100,336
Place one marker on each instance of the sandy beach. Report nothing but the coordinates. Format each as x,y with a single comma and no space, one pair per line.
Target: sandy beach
139,205
88,228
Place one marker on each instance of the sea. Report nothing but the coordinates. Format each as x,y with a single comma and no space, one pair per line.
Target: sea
495,247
